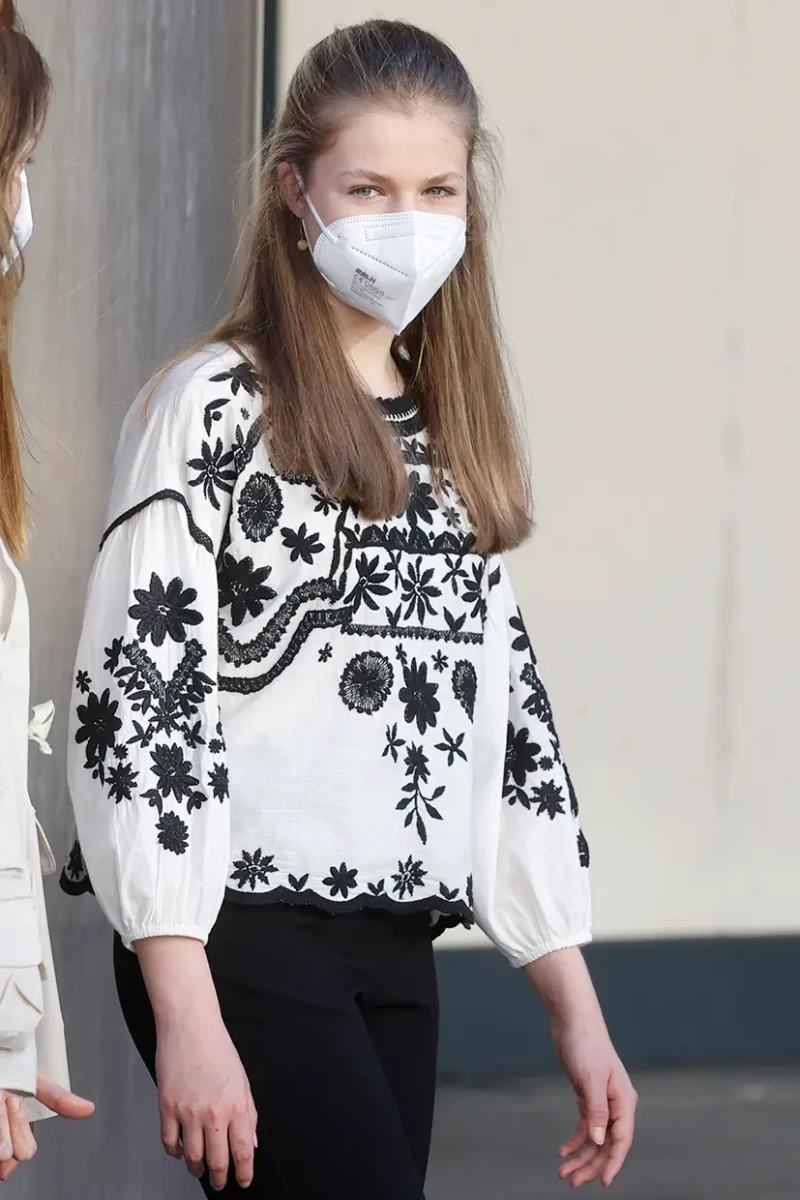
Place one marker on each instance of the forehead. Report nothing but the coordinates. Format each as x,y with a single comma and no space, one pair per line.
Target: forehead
398,143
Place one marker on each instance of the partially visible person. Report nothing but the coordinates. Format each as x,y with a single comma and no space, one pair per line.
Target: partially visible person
34,1079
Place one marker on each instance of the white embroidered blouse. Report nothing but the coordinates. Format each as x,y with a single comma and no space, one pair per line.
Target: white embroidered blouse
277,700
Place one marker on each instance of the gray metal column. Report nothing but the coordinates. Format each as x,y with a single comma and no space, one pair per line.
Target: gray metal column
154,113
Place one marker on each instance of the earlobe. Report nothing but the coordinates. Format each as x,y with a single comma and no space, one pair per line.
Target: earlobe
291,190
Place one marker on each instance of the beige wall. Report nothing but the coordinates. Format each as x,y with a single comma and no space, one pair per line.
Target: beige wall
650,279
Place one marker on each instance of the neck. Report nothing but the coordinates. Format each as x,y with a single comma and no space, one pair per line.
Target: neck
368,346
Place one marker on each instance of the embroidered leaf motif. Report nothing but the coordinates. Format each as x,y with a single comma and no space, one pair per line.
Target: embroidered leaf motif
298,884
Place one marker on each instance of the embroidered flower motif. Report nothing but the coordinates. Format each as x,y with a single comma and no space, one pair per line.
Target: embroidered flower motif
522,641
163,611
83,683
465,686
173,833
241,376
260,507
324,504
113,653
215,469
473,592
418,592
419,696
216,745
550,798
253,868
341,881
302,544
452,747
521,757
422,501
218,781
455,573
393,743
99,725
583,850
243,588
414,802
173,771
122,781
371,582
326,653
410,875
366,682
121,752
439,662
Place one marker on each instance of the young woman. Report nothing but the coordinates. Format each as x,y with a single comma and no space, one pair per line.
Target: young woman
32,1055
309,731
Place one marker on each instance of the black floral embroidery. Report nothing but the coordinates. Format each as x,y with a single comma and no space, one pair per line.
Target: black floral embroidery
326,653
452,516
296,884
216,746
83,683
521,641
410,876
122,782
448,893
521,761
371,582
163,611
302,544
366,682
473,592
260,507
422,503
550,799
393,743
415,802
173,772
98,729
455,573
121,752
465,686
324,504
218,781
439,662
401,655
243,588
173,834
242,375
253,868
419,591
377,889
215,470
113,653
583,850
419,696
341,881
470,895
298,478
452,747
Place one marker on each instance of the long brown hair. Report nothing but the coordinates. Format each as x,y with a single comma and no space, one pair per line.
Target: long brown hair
24,94
451,355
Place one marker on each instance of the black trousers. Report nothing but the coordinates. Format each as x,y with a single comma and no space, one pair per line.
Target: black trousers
335,1019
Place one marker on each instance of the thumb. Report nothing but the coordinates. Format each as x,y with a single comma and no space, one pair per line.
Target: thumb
62,1102
596,1108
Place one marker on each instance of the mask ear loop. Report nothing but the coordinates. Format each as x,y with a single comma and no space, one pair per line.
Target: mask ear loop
304,241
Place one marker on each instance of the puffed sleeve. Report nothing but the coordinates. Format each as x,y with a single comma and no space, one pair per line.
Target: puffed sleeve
147,769
531,882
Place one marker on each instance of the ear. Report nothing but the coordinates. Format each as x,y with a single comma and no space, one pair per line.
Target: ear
291,191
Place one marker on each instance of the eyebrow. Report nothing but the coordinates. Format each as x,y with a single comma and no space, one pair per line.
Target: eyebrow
385,180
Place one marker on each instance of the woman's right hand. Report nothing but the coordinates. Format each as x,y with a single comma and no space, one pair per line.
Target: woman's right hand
207,1110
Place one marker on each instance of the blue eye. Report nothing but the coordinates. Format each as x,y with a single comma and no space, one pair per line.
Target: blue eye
365,192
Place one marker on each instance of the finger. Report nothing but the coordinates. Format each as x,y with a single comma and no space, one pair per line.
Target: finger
595,1094
582,1159
21,1133
578,1140
592,1169
253,1120
6,1148
7,1169
60,1101
171,1134
217,1153
242,1139
620,1142
193,1147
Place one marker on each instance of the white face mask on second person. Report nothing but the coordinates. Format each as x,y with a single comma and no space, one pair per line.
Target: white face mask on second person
388,265
23,225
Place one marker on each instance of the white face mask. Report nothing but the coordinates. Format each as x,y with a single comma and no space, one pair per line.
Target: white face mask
23,225
388,265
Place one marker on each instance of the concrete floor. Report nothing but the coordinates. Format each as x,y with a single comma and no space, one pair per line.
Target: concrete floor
702,1135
